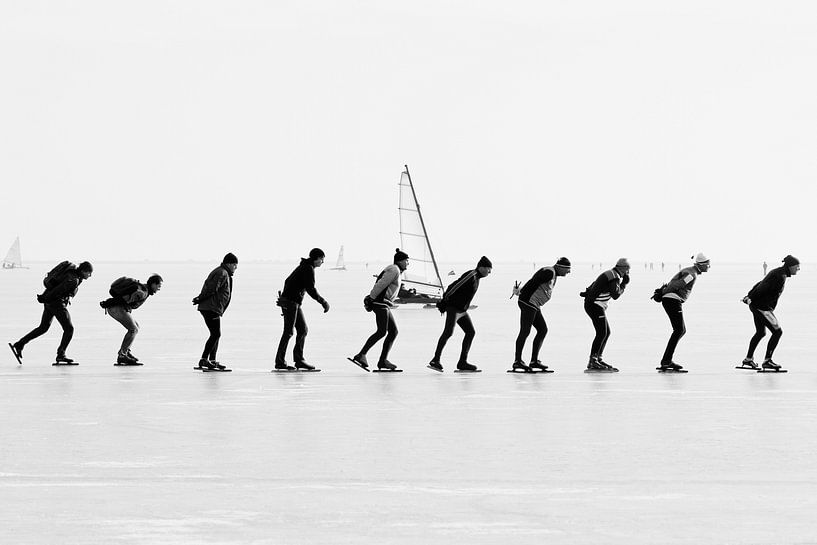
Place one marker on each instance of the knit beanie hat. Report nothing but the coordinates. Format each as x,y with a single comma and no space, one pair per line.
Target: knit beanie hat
230,259
622,263
790,261
399,255
87,267
485,262
563,263
701,258
316,253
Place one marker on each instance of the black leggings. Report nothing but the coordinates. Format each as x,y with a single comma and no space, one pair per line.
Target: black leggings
386,327
764,319
51,311
213,322
598,316
675,311
464,321
293,318
528,317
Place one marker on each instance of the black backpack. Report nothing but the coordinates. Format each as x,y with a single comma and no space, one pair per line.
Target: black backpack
56,275
124,286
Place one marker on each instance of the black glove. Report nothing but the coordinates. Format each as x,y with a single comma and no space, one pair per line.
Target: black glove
196,300
325,306
40,298
625,280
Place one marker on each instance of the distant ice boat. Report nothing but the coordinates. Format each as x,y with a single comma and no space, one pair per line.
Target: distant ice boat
13,258
341,264
451,273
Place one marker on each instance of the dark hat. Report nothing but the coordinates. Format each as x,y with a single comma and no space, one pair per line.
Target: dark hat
790,261
399,255
316,253
485,262
85,266
230,259
563,262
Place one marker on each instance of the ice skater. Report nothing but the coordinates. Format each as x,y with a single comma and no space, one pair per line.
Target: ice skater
299,282
673,296
535,293
61,284
380,301
128,294
212,301
762,300
455,302
609,285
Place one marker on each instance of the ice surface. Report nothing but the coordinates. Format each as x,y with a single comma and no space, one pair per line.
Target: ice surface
163,454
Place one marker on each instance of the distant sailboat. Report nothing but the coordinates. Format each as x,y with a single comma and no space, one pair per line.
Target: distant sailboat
341,264
13,259
421,281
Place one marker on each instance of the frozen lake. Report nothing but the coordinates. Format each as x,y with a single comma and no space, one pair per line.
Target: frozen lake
161,454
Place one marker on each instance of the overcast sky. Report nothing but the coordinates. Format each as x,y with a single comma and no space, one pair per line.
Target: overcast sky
185,129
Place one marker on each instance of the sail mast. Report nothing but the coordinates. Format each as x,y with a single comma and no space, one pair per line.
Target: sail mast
423,224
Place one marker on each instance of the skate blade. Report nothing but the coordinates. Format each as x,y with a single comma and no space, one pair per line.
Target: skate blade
63,364
595,371
387,370
127,364
467,371
521,371
356,363
669,371
206,370
434,369
284,371
772,370
747,367
18,358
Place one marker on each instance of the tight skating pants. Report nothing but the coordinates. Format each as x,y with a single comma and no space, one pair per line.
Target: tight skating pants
675,311
463,320
51,311
386,327
293,319
530,317
598,316
764,319
213,323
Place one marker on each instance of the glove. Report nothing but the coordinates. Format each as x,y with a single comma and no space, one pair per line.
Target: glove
40,298
746,300
196,300
325,306
625,280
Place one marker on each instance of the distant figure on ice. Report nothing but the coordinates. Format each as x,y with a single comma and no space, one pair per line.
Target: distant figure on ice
609,285
212,301
765,266
673,295
61,284
535,293
380,301
301,281
662,266
762,300
128,294
456,300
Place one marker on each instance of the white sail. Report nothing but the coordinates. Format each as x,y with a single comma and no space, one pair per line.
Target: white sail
13,258
422,274
341,264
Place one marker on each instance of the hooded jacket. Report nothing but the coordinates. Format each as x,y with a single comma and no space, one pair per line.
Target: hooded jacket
217,291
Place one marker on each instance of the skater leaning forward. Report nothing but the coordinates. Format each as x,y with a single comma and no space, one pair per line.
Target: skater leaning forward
609,285
455,302
673,296
762,300
380,301
61,284
535,293
212,301
128,294
300,282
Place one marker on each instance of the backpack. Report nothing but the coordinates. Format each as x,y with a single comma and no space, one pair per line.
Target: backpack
56,275
124,286
658,293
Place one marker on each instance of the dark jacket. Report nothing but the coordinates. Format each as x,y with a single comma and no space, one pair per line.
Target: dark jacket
135,299
458,296
302,280
217,290
609,285
537,291
764,294
62,293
